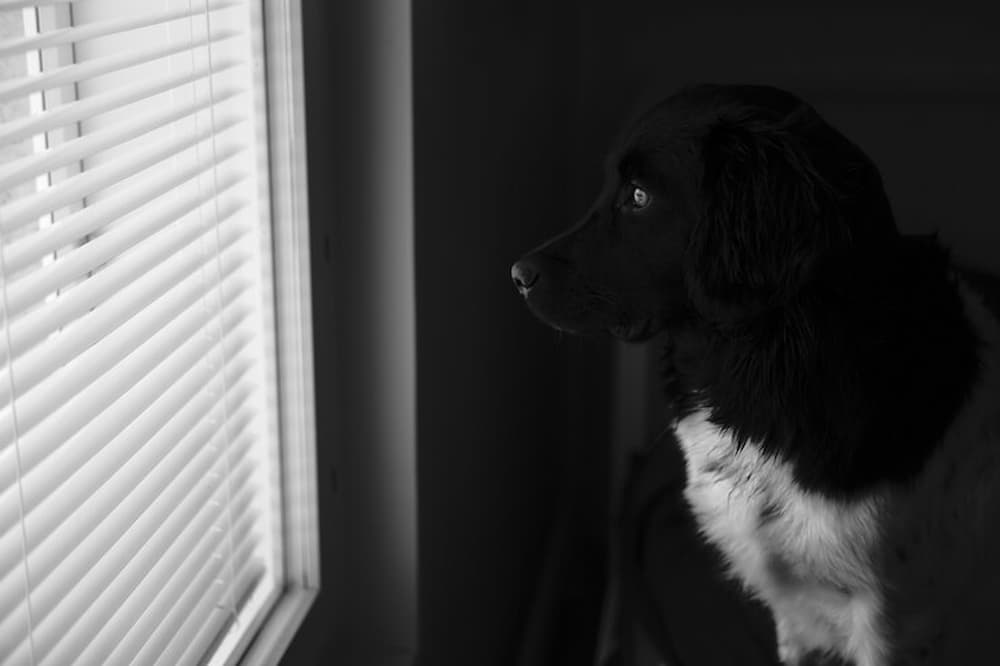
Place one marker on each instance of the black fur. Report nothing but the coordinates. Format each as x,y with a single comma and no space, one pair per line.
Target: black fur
792,307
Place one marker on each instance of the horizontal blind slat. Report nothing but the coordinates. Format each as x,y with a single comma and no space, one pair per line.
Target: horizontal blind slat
136,305
195,644
8,5
94,417
24,252
61,76
154,233
124,634
58,471
181,264
28,209
67,630
30,166
79,33
53,567
91,566
19,129
90,335
33,327
139,448
167,645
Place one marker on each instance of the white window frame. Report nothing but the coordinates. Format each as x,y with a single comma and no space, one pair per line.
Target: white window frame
293,319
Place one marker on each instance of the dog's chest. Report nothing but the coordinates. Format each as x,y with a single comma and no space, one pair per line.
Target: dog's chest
774,536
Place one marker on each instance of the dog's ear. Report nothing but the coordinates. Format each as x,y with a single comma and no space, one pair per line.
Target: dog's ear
768,217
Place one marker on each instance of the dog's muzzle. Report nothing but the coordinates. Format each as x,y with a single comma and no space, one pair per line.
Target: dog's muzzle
525,276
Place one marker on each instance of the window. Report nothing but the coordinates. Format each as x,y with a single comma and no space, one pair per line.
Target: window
157,482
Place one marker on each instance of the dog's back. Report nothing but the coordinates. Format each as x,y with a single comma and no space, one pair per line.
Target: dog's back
941,552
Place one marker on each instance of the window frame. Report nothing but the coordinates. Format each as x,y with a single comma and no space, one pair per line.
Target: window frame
280,66
284,85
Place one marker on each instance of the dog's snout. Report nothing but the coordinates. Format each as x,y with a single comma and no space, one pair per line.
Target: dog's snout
524,275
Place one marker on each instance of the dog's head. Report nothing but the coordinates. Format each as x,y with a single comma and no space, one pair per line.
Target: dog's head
720,202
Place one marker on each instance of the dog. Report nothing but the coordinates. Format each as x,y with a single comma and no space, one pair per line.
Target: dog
835,384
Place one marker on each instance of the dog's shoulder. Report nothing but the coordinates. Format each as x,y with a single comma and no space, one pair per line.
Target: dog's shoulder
923,553
742,496
810,557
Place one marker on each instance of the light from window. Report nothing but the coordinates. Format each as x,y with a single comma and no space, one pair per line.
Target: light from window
141,490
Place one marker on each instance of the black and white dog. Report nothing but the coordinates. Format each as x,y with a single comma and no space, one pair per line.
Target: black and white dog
837,386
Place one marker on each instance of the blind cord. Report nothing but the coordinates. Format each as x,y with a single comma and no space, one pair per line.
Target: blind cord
17,457
220,329
18,467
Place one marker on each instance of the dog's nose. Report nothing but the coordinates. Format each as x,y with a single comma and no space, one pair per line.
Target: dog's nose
524,276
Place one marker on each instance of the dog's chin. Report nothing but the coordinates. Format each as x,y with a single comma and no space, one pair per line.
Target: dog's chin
570,327
597,325
574,321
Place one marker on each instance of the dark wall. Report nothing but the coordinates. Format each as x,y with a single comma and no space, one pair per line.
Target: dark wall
510,418
358,83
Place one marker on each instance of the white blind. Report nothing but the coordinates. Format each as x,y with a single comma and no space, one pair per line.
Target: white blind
140,513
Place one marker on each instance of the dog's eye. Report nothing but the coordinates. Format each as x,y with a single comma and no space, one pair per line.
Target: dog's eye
640,198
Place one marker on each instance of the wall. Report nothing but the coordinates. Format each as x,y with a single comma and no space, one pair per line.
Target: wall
360,165
511,426
476,529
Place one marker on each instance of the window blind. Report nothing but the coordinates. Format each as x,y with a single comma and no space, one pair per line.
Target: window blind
140,494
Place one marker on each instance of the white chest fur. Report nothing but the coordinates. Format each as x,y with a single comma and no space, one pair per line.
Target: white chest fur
809,558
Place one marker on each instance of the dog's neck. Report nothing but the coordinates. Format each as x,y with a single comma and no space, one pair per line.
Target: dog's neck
837,381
